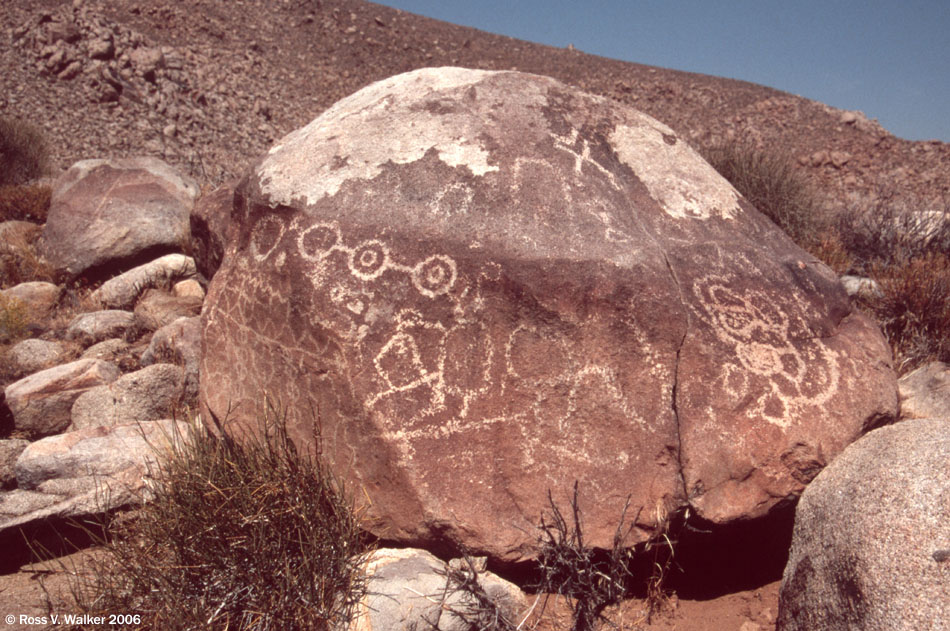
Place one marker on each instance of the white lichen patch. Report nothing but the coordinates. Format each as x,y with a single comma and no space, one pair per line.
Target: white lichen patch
681,182
381,123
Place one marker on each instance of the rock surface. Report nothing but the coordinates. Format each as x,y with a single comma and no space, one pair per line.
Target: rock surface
122,291
925,392
871,548
463,271
39,296
116,212
40,404
158,308
85,472
149,394
408,589
178,343
97,326
33,355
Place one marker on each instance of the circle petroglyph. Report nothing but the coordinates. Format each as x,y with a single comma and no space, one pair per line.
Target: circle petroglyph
434,276
369,260
317,241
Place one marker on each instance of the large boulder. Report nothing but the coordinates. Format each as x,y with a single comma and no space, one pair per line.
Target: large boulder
116,213
486,285
871,547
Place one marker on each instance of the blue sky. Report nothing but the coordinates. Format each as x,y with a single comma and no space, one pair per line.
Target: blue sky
890,60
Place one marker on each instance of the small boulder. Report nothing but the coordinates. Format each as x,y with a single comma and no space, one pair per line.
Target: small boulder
871,545
10,450
178,343
124,290
33,355
861,287
86,472
409,589
110,350
148,394
40,297
40,404
109,213
158,308
96,326
925,392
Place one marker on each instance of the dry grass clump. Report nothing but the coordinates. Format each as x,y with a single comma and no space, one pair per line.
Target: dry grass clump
25,203
14,318
249,535
771,183
19,260
23,152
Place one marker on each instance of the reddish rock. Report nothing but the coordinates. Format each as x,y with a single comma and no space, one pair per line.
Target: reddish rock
116,213
490,285
158,308
211,226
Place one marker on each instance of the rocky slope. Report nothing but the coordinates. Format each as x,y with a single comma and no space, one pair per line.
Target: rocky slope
209,84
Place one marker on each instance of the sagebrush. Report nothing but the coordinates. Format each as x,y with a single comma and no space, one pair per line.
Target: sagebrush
23,152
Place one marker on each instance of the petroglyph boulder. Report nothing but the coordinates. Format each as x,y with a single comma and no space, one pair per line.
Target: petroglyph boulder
488,285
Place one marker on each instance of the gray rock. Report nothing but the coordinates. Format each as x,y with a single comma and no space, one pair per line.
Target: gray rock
925,392
408,590
100,325
40,403
861,287
107,350
178,343
29,356
10,450
144,395
86,472
158,308
40,297
871,545
124,290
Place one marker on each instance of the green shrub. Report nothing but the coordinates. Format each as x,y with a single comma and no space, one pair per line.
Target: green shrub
23,152
249,535
771,183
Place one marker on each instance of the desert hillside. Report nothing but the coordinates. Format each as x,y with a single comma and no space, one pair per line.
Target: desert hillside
209,84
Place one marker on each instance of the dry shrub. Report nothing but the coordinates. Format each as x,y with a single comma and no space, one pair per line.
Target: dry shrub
591,579
892,233
25,203
771,183
14,318
914,311
23,152
249,535
19,261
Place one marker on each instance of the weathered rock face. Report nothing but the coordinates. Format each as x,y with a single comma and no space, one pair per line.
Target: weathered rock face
871,547
489,285
105,212
925,392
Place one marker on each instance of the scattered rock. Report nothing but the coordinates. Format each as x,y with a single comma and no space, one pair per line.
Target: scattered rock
40,297
125,289
408,589
85,472
149,394
10,450
96,326
178,343
158,308
866,531
33,355
115,212
190,288
925,392
107,350
471,274
40,403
